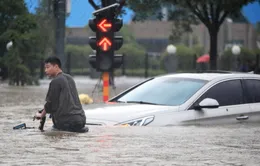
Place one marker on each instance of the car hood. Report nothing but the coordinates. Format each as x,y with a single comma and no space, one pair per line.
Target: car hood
111,114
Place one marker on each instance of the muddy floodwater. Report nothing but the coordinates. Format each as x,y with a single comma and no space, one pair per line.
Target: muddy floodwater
233,145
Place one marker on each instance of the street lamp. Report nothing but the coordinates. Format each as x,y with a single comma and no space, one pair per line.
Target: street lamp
236,50
9,45
171,49
170,61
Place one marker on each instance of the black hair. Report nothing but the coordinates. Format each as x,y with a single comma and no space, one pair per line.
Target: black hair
53,60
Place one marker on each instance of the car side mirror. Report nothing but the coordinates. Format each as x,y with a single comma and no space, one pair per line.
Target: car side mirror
207,103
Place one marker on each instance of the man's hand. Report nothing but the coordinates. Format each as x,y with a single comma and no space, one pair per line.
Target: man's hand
40,114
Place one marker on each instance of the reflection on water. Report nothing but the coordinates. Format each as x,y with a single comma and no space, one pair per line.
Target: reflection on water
190,145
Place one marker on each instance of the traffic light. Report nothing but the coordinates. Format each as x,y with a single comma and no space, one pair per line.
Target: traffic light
105,43
118,40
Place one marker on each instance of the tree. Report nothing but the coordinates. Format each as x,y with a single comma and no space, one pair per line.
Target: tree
32,35
9,10
210,12
23,52
45,31
46,26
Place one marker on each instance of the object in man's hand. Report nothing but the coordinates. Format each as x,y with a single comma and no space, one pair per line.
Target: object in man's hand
43,119
42,122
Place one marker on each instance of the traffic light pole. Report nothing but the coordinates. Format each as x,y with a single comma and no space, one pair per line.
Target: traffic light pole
105,74
105,77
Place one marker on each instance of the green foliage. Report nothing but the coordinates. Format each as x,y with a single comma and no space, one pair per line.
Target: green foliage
126,33
79,55
45,29
134,52
134,55
210,12
186,57
32,36
9,10
257,51
198,50
227,59
144,8
19,27
21,56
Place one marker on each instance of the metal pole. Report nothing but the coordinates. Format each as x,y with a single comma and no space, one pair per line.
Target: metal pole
105,86
69,63
146,65
194,62
42,69
257,64
60,31
123,64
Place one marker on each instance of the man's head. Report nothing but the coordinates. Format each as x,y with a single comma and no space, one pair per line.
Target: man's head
52,66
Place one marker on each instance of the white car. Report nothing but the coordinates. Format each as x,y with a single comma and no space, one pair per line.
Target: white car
183,99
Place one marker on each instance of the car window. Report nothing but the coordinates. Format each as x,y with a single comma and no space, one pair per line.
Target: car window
164,91
252,91
226,93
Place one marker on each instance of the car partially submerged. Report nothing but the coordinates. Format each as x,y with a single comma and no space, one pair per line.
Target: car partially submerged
183,99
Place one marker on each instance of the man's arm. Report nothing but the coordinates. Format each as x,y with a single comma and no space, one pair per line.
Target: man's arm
52,98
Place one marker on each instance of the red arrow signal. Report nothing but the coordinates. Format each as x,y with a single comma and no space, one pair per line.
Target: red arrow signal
104,26
105,44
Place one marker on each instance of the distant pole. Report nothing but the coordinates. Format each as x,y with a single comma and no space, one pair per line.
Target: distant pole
194,61
60,13
257,64
146,65
123,64
42,69
69,63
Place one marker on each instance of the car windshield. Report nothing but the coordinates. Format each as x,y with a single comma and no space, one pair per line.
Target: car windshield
163,91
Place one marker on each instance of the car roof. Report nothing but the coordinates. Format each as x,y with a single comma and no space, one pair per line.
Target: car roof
208,76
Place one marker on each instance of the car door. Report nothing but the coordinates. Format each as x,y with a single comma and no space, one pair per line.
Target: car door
232,108
252,96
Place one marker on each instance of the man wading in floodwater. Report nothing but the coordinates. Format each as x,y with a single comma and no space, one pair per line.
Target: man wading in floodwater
62,100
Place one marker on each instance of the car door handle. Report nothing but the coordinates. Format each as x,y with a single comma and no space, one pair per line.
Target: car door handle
242,117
